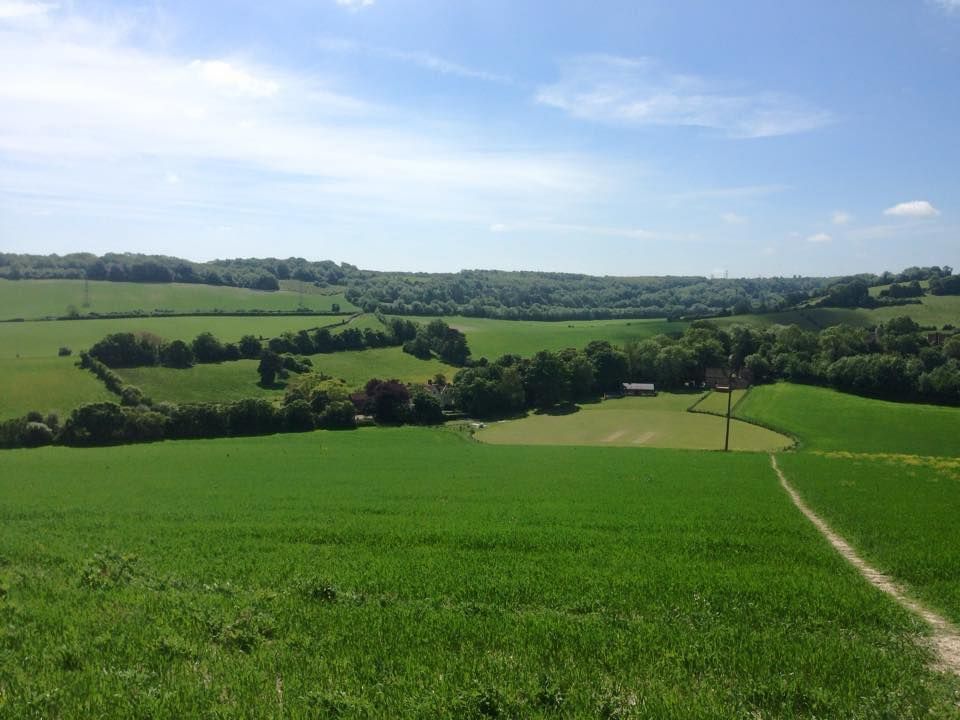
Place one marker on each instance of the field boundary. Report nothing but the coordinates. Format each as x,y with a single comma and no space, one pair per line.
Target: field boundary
944,636
733,416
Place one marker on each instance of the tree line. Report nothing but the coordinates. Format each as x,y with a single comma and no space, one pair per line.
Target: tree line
493,293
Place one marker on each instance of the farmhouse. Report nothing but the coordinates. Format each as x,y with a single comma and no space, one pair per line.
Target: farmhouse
716,378
639,389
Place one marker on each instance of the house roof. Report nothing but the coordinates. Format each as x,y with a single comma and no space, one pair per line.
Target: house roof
638,386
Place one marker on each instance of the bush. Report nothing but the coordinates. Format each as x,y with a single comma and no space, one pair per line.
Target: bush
64,351
176,354
298,417
253,417
338,415
36,434
249,347
94,424
131,396
126,350
425,409
207,349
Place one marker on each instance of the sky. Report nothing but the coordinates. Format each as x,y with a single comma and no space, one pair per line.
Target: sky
622,138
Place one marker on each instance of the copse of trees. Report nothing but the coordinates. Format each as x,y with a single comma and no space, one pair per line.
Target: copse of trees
436,338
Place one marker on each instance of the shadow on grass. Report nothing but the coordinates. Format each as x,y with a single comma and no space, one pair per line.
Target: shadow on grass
565,409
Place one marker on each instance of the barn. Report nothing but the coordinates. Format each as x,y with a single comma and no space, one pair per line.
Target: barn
639,389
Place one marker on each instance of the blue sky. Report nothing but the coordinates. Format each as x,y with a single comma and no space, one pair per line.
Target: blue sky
624,138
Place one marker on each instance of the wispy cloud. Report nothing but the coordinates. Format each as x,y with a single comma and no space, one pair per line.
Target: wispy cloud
17,9
80,101
583,230
355,4
819,238
732,218
418,58
841,217
950,6
641,92
913,208
738,192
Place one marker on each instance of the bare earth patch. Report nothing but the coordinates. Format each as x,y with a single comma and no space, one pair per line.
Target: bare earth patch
614,436
945,638
644,438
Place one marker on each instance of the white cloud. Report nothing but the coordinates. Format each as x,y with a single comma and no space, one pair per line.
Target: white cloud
17,9
355,4
230,78
610,231
171,178
841,217
640,92
949,6
90,121
732,218
819,238
425,60
914,208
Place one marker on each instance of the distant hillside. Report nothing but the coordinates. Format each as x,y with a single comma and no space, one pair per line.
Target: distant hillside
499,294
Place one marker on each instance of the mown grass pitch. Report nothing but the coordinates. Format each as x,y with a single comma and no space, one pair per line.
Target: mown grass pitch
407,573
825,419
31,299
492,338
660,421
900,511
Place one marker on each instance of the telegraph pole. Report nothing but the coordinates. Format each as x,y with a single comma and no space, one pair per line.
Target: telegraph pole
726,438
86,291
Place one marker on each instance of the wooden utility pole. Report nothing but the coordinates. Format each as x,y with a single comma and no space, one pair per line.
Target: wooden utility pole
726,439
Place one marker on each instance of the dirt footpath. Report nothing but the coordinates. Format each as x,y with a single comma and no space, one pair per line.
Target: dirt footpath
945,638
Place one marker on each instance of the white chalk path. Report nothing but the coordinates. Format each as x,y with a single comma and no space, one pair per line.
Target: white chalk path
944,637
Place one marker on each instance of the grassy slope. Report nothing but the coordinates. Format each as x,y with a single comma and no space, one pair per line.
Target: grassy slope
235,380
651,422
41,339
32,299
825,419
468,577
901,513
938,310
46,384
493,338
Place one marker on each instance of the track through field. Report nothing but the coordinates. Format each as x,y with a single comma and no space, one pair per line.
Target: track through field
945,638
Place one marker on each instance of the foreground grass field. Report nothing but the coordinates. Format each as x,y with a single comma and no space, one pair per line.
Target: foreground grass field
32,299
899,511
237,380
825,419
410,574
660,421
52,384
493,338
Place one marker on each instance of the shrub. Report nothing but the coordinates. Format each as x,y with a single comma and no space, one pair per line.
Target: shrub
64,351
207,349
176,354
253,417
338,415
298,417
249,347
131,396
36,434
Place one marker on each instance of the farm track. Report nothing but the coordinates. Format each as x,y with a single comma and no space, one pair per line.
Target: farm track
944,638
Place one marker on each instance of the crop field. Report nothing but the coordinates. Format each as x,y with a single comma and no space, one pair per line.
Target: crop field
933,310
52,384
825,419
899,511
32,299
493,338
41,339
221,382
660,421
408,573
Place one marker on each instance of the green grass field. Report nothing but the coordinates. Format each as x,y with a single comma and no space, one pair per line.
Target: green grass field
934,310
825,419
47,385
716,402
660,421
41,339
223,382
407,573
901,513
32,299
493,338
